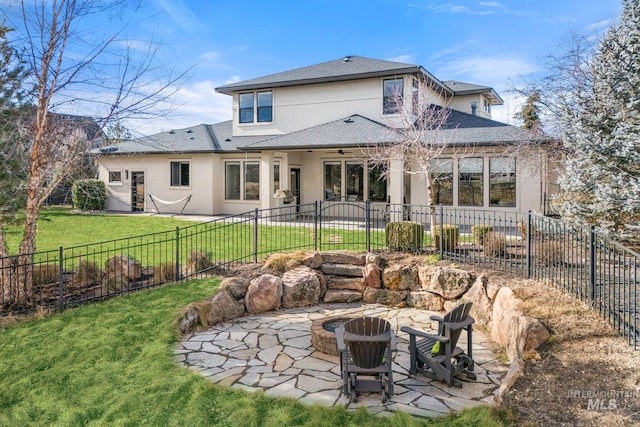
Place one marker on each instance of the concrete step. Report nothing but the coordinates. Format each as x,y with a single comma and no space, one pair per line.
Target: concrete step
341,270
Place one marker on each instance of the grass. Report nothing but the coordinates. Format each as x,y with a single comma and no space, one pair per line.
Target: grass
111,364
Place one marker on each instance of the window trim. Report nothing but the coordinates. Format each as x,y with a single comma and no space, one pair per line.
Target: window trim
255,108
392,107
242,179
482,182
245,170
241,109
270,106
515,183
180,163
114,182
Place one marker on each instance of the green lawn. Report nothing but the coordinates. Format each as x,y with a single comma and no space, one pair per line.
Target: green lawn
111,364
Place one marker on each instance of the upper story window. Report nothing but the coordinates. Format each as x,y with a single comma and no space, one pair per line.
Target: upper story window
486,105
414,97
260,102
393,90
179,174
246,107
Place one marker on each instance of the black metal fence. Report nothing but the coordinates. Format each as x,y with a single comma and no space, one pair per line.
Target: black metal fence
579,260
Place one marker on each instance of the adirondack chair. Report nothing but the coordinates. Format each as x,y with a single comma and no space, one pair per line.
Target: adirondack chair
437,356
366,345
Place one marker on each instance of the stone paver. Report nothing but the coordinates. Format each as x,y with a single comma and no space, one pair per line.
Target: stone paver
272,352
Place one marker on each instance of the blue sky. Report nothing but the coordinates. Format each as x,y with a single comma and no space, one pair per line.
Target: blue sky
495,43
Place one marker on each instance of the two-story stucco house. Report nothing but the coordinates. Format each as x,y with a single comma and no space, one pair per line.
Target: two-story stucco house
307,130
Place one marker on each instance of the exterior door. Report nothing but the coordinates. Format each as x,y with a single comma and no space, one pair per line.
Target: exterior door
295,186
137,191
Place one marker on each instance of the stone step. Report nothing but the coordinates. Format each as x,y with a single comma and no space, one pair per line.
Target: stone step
343,258
345,283
342,296
341,270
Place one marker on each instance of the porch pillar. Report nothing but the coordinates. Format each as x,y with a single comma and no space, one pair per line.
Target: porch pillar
396,187
266,180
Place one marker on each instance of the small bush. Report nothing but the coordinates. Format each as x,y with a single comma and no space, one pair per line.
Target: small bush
164,273
449,235
522,228
495,244
432,259
89,195
404,236
45,273
198,261
283,261
479,231
86,273
114,283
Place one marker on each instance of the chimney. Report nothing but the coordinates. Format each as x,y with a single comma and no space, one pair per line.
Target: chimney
474,107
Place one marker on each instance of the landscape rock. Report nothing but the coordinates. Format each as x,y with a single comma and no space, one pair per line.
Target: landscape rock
425,300
237,286
189,320
450,283
264,294
373,259
348,283
123,266
371,274
323,284
342,270
342,296
343,258
300,287
224,307
400,278
482,308
313,260
384,296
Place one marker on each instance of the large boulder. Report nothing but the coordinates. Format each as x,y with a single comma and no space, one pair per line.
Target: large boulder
125,267
264,294
224,307
237,286
300,287
513,330
400,278
482,308
449,283
384,296
313,260
425,300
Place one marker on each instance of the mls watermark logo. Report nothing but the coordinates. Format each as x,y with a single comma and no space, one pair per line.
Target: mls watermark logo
609,400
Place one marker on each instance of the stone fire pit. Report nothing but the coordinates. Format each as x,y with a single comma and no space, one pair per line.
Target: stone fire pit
323,335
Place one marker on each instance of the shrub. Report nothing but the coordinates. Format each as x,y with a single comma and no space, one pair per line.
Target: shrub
115,283
45,273
479,231
89,195
449,235
86,273
198,261
404,236
495,244
522,228
164,273
282,262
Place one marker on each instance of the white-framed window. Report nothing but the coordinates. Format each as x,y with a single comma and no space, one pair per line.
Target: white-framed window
392,95
486,105
180,173
242,180
442,181
471,181
115,177
352,174
255,107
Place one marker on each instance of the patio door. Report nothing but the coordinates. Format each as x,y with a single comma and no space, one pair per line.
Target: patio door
137,191
295,186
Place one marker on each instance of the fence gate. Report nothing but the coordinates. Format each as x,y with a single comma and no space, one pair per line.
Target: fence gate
343,224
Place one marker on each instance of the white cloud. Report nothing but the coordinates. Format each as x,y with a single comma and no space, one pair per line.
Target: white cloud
181,14
485,70
211,55
407,59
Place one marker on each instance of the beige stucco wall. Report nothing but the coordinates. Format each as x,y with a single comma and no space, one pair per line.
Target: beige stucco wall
300,107
463,103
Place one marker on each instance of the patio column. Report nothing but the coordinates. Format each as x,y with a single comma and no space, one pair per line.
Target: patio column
396,187
266,180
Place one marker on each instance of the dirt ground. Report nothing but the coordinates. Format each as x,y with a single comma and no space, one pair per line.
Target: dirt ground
586,375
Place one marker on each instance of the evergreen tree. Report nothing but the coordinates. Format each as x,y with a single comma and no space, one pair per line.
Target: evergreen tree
601,184
530,113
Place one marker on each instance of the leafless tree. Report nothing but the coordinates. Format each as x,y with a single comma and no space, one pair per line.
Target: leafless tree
70,66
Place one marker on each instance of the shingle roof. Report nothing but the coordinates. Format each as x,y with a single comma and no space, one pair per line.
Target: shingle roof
346,68
352,131
462,88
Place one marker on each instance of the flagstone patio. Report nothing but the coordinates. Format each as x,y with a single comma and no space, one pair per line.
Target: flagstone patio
273,352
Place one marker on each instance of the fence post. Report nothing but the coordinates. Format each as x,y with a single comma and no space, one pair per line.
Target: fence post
367,225
255,236
61,282
592,263
317,228
178,254
441,213
529,245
